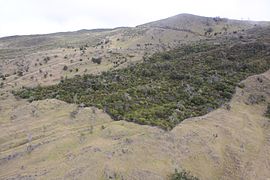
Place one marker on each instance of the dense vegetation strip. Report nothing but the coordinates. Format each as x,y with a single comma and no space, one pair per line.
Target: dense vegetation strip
166,88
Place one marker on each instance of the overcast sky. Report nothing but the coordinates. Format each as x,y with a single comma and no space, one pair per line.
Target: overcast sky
19,17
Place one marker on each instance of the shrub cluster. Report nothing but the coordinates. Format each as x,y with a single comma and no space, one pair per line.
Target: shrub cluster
166,88
182,175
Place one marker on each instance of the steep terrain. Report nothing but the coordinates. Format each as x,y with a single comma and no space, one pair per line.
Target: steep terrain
51,139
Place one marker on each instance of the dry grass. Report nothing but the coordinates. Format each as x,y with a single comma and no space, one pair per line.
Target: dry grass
225,144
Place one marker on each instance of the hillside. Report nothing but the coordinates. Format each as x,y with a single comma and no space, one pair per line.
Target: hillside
186,92
168,87
199,25
41,58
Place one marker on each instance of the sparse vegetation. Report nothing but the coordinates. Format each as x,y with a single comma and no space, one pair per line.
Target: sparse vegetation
82,48
20,73
65,68
45,75
255,99
183,175
96,60
166,88
73,113
46,59
209,30
267,113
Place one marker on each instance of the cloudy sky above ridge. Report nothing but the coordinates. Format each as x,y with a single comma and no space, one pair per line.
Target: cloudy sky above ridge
18,17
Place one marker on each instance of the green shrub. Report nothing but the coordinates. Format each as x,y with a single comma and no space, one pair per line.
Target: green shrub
65,68
96,60
46,59
166,56
182,175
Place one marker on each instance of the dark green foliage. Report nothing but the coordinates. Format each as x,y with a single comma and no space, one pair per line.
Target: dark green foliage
166,56
96,60
183,175
46,59
208,31
166,88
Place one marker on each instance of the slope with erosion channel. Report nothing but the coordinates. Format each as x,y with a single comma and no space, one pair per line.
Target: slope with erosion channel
51,139
167,87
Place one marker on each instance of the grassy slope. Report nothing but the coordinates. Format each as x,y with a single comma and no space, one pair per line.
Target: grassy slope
224,144
221,145
168,87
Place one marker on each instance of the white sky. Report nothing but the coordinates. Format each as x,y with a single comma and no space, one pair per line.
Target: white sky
19,17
